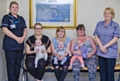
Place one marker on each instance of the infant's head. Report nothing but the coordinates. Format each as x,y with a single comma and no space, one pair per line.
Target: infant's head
38,43
60,44
79,42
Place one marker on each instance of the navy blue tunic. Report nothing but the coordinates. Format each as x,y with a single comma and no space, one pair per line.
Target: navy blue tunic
16,26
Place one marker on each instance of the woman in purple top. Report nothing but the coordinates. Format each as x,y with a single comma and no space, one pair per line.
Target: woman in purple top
107,34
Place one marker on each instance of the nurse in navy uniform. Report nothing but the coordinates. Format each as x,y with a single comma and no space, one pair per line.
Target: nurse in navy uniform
15,30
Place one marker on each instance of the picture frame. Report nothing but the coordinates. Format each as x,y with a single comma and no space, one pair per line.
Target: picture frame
53,13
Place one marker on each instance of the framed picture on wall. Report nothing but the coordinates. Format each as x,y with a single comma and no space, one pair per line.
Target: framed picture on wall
53,13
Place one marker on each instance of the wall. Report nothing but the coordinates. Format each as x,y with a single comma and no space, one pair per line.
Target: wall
3,4
89,13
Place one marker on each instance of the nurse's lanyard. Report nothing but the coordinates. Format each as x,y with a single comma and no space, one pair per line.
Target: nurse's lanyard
15,21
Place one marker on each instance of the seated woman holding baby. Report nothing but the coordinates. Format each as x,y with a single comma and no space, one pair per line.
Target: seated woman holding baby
60,43
88,59
35,45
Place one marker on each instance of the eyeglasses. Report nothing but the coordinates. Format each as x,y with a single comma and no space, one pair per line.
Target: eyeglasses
81,29
61,31
38,28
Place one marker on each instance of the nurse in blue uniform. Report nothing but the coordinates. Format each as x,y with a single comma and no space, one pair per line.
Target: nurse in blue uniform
15,30
107,33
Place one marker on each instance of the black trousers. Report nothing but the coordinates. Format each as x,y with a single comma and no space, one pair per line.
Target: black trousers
38,72
61,74
13,62
107,66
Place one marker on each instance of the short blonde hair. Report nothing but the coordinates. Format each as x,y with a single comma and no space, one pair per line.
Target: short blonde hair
13,2
61,28
111,11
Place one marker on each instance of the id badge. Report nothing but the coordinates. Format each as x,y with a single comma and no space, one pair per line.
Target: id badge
12,26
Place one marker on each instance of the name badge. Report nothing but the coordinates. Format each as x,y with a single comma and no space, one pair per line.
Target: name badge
12,26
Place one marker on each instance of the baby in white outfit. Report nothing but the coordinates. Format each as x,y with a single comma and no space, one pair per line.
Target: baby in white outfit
39,55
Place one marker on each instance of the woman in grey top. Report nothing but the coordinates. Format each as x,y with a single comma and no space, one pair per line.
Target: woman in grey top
90,61
107,34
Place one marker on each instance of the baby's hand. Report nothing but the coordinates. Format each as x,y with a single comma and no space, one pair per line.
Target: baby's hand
55,52
57,55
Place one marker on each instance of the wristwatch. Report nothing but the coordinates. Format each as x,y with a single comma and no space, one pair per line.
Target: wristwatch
106,45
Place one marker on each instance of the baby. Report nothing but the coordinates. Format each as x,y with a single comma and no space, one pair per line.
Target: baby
61,50
39,55
83,50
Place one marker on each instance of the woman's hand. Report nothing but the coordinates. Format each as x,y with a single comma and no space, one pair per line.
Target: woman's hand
44,51
20,40
57,55
89,55
78,52
36,51
61,57
103,49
